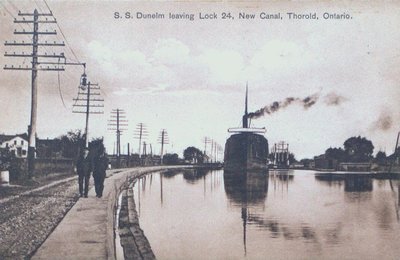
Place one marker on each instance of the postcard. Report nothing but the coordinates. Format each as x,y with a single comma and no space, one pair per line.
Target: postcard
199,129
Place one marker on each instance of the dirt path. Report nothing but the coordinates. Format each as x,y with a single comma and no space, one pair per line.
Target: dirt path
28,218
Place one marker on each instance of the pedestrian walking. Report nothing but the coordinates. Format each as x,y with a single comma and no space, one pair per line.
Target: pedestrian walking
84,167
100,165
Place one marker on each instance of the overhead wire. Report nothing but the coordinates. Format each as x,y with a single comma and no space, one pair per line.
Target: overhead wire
67,73
59,85
13,6
69,45
37,5
62,33
8,11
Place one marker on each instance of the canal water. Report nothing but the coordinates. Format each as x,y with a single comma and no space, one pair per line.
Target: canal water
281,215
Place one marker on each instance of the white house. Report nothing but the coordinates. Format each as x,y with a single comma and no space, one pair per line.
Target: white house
16,143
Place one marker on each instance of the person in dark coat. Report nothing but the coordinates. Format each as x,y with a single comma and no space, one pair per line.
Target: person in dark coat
100,165
84,167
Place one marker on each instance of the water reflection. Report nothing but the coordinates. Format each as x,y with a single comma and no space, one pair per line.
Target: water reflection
281,179
246,188
248,191
352,182
194,175
258,215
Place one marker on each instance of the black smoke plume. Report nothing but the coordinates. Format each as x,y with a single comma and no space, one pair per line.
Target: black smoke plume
306,103
333,99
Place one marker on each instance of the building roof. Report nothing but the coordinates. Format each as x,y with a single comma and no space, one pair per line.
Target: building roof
5,138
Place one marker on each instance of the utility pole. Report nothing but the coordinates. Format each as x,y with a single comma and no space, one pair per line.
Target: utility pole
87,93
206,141
129,156
395,155
220,150
144,149
212,150
118,123
140,133
215,152
35,55
163,139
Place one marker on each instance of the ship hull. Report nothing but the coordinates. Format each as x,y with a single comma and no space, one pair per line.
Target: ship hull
246,152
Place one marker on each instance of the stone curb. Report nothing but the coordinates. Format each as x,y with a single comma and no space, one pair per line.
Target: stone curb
87,230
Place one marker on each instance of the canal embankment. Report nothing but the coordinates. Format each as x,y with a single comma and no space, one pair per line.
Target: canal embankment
133,242
87,230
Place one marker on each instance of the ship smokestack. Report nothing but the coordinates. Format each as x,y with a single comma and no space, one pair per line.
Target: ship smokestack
245,118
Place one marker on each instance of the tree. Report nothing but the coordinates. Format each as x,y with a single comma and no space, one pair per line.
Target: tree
193,155
306,162
336,153
72,143
170,159
292,158
381,157
358,149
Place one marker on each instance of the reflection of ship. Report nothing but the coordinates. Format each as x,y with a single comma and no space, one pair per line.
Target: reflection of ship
246,149
246,190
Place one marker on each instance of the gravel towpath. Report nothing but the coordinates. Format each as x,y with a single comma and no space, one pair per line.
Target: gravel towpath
28,218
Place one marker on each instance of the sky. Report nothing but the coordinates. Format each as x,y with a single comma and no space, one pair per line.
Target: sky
189,77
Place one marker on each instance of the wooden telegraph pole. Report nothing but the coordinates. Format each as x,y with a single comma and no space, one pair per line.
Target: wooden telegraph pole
118,123
86,99
140,133
163,139
34,19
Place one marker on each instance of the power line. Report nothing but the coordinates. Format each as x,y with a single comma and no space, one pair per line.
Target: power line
8,11
62,33
37,5
36,66
59,87
13,6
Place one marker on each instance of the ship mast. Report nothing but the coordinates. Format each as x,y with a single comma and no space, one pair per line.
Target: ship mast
245,116
245,121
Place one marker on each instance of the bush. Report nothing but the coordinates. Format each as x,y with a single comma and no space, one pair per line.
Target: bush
6,157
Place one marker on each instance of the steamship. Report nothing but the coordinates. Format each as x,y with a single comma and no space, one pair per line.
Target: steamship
246,149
